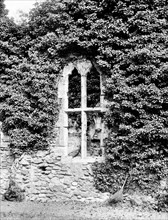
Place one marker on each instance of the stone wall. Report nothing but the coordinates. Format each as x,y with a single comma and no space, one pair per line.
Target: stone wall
5,163
48,175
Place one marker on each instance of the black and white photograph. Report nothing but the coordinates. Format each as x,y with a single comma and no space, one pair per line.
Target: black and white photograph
84,109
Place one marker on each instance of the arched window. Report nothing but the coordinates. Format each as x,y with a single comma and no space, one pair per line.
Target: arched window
82,110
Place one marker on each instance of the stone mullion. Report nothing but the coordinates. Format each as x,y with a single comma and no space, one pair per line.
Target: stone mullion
83,116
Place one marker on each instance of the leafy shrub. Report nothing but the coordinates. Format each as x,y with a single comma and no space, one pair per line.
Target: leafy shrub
162,204
14,193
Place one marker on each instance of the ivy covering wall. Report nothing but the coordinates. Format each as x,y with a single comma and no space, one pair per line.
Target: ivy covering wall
129,42
28,87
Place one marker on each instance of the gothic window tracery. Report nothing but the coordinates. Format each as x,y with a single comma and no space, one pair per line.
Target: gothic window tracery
83,108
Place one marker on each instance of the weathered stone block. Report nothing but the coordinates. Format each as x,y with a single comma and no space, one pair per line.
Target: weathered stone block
67,180
57,189
58,158
41,154
49,168
72,188
38,160
24,162
24,172
67,174
50,176
56,181
74,183
47,172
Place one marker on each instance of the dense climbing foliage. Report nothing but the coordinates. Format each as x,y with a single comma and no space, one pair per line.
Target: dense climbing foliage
28,88
128,40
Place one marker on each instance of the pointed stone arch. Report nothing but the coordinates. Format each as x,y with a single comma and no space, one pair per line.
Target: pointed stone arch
83,67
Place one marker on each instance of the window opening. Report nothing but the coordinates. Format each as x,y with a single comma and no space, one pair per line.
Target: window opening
94,132
74,134
83,105
93,88
74,89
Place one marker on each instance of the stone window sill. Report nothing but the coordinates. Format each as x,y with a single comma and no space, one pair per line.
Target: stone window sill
86,160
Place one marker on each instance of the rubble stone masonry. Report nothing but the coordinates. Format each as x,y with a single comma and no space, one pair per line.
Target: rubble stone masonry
48,175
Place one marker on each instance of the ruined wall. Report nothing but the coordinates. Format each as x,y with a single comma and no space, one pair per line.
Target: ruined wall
5,162
49,176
